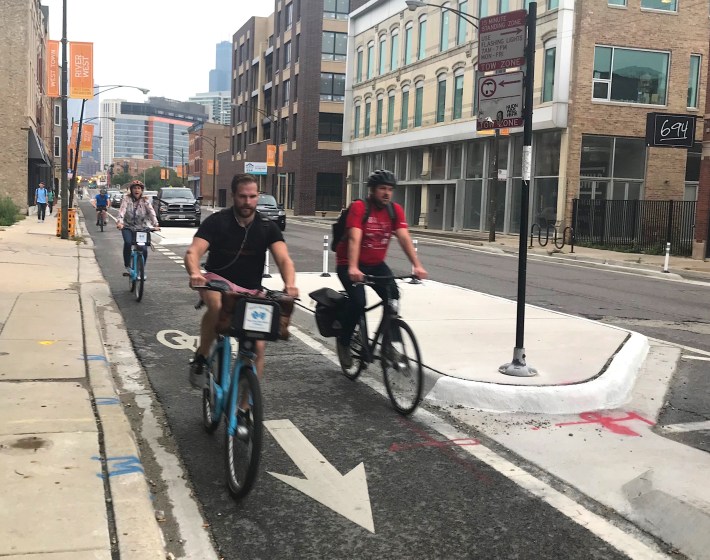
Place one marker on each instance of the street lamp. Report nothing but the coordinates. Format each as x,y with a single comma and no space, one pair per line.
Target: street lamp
414,4
276,141
75,158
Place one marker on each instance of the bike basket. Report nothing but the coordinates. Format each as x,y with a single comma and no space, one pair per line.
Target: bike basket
255,318
140,237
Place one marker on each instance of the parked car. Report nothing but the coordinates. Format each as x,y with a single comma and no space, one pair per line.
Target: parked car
175,205
269,208
115,198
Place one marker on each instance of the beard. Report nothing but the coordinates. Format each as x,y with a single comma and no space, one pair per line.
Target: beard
245,211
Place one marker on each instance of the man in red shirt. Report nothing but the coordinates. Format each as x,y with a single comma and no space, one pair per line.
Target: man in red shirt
364,247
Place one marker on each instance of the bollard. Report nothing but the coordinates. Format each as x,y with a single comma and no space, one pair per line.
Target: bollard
325,256
668,257
266,267
416,250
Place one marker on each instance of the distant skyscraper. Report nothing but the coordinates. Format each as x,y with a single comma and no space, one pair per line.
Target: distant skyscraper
219,77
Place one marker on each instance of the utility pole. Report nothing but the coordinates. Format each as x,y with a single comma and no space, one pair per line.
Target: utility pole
701,245
64,226
493,194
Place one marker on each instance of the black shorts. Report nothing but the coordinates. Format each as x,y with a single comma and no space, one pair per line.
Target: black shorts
99,208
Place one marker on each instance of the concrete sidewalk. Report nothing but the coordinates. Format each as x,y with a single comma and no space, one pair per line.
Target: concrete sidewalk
73,484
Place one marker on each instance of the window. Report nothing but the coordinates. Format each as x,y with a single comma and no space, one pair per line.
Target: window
287,53
548,77
664,5
461,28
370,60
612,168
444,30
298,46
367,119
336,9
482,8
553,4
330,127
356,122
441,99
284,131
418,103
378,117
504,6
408,33
692,172
358,67
404,115
621,3
694,81
382,54
390,112
332,87
458,97
630,75
422,38
394,51
287,91
288,16
57,115
57,146
335,46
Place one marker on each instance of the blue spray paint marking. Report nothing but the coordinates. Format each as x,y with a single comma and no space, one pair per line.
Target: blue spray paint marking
106,400
93,358
117,466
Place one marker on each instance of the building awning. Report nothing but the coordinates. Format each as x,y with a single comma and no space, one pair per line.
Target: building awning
35,149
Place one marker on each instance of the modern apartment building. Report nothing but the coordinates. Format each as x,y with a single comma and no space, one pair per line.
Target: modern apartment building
288,87
218,105
25,112
154,130
600,67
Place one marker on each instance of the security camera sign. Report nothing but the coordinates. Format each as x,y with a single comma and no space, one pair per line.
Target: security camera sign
500,101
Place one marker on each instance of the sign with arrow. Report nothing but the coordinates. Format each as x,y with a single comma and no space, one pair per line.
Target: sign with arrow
501,42
500,101
345,494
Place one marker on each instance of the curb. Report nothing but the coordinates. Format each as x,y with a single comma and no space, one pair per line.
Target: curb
609,390
137,532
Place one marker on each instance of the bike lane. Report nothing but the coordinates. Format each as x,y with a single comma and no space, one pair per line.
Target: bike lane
379,485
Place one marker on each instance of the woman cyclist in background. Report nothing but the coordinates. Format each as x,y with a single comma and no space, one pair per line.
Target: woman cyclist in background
137,212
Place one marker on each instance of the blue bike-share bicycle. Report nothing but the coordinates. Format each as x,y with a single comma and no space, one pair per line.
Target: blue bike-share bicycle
136,277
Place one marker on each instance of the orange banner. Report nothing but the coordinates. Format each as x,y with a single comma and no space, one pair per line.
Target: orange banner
81,75
53,69
87,137
210,167
74,133
270,155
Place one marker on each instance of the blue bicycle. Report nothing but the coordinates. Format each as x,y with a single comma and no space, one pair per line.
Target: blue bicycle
232,388
136,277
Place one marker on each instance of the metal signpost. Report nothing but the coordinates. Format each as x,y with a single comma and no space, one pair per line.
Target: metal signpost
506,42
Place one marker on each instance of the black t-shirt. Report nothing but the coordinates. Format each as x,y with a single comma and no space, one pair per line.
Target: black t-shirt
226,236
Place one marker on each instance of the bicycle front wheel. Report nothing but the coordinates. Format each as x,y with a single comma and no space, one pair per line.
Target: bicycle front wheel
244,432
131,274
140,277
358,352
402,367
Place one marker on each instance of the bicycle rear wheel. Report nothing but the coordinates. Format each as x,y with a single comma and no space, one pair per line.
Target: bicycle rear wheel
244,432
140,277
358,352
402,367
209,393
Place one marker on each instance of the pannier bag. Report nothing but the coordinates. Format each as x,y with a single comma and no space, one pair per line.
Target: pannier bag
258,318
330,306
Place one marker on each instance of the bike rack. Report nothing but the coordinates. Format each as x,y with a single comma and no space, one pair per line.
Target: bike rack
558,240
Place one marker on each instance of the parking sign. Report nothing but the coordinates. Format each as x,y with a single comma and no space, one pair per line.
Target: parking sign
500,101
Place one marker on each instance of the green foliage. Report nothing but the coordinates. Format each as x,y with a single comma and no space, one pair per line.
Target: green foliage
120,179
9,212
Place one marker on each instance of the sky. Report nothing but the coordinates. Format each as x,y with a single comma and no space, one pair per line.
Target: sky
166,46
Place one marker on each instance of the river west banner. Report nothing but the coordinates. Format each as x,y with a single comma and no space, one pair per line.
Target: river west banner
81,70
53,69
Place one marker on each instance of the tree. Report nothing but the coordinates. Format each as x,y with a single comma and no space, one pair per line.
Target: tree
121,179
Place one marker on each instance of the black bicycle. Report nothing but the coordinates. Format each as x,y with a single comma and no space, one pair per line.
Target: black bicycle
398,354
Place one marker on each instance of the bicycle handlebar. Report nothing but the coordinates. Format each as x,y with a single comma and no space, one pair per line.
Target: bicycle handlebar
222,287
372,279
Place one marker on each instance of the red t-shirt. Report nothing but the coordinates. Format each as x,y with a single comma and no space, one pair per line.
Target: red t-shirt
376,232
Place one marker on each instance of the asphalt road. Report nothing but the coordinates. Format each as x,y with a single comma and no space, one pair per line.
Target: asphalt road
427,499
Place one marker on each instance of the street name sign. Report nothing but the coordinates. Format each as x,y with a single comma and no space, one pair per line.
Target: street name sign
501,42
500,101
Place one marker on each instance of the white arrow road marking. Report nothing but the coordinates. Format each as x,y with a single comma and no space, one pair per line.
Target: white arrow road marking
344,494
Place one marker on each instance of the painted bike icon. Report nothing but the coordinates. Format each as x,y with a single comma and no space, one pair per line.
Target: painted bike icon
178,340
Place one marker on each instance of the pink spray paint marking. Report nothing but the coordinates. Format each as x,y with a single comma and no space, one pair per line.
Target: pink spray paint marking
609,422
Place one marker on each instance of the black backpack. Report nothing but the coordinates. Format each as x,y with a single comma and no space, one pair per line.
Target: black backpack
339,226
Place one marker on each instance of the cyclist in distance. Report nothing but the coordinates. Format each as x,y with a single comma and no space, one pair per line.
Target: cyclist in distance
136,211
362,251
101,203
237,239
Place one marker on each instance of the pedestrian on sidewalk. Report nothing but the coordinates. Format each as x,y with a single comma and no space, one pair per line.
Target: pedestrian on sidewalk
50,201
41,201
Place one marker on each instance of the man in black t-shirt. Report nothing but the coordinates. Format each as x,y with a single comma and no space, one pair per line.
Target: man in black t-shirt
237,239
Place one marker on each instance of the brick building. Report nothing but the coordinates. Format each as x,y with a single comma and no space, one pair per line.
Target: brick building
288,88
206,142
600,67
25,111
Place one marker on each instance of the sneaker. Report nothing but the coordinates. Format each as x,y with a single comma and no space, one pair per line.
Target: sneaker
344,355
244,424
198,365
128,270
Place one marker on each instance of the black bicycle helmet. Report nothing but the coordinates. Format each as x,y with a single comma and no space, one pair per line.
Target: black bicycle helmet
381,177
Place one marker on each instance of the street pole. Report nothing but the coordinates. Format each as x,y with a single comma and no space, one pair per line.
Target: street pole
214,171
182,166
64,226
75,163
518,367
493,202
275,191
